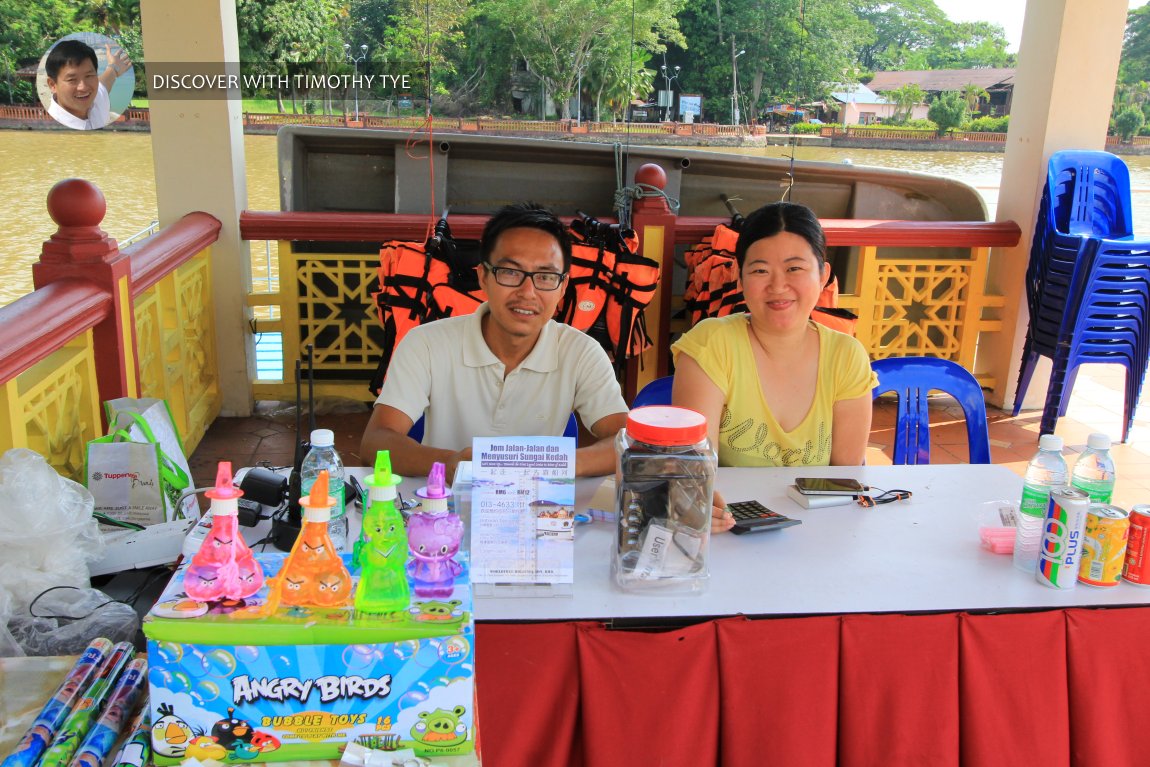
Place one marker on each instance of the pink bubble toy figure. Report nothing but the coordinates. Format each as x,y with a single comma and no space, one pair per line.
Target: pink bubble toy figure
313,575
433,537
224,567
381,551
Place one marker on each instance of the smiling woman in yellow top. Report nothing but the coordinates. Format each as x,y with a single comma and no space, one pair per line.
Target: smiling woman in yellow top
777,388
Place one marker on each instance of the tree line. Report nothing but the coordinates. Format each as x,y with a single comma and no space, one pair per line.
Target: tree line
502,57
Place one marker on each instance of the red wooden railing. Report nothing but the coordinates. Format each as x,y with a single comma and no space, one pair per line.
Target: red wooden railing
43,321
687,230
161,254
77,281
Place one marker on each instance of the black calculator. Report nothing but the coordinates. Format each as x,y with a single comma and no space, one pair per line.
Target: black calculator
754,517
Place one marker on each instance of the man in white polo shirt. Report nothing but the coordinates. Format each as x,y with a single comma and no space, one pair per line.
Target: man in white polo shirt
79,96
508,369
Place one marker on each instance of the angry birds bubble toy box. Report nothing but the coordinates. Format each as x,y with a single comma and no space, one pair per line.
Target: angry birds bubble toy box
264,677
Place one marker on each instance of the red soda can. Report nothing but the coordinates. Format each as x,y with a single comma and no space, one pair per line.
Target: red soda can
1104,547
1060,552
1137,567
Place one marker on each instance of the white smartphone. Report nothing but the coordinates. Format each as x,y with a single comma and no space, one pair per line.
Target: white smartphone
829,486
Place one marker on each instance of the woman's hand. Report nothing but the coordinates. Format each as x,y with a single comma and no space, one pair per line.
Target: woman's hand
721,519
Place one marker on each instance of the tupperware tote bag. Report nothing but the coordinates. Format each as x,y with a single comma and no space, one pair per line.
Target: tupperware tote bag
142,444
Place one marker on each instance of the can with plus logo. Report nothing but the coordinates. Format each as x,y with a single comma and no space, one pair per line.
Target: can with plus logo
1104,546
1060,553
1137,567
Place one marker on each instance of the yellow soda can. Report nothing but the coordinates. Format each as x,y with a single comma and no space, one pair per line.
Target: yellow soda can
1104,547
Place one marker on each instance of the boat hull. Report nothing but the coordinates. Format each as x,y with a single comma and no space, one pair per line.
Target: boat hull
339,169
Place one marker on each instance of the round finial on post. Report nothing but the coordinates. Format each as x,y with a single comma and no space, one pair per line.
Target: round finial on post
78,207
76,203
651,175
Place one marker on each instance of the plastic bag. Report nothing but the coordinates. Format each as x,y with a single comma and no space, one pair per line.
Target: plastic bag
47,533
64,620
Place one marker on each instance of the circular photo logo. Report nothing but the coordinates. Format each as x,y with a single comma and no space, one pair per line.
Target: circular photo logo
85,80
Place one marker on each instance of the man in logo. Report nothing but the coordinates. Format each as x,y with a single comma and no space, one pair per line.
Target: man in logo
79,95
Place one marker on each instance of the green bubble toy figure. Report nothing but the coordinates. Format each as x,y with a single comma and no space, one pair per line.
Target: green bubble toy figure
381,551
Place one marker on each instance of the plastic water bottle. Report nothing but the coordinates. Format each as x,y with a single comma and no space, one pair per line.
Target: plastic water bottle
323,456
1047,470
1094,471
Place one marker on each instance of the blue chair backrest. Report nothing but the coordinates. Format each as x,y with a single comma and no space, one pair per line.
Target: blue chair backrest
912,379
1090,194
416,430
658,392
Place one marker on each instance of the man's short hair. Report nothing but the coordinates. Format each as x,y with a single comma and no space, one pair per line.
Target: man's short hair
525,215
72,52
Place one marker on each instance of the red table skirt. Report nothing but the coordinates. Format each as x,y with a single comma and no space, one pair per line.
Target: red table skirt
1064,687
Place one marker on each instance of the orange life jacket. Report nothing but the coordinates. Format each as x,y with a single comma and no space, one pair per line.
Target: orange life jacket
419,283
609,286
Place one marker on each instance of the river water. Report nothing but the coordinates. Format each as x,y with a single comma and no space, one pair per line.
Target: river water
120,164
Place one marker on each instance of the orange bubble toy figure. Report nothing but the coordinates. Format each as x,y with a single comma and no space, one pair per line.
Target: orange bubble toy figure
313,575
224,567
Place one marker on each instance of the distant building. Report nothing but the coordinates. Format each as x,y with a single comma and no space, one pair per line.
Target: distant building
529,96
999,83
856,104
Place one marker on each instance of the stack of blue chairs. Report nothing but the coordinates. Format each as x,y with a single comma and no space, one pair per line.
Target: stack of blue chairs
1087,283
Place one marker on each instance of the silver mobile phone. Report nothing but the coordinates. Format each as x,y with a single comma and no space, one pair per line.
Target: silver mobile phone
829,486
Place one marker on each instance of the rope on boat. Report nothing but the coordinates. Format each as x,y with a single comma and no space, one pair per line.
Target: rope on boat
625,197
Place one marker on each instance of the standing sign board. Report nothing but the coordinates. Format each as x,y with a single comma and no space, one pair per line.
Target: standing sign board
690,104
523,515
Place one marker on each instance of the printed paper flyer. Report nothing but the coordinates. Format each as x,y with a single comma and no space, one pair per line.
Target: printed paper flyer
523,510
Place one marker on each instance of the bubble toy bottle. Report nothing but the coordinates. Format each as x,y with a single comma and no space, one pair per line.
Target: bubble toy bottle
313,575
223,567
433,536
381,551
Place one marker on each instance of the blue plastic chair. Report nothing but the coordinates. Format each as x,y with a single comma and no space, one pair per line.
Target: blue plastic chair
1104,321
1090,194
912,379
1086,282
1086,199
658,392
416,430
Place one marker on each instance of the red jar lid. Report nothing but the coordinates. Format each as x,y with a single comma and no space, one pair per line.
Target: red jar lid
666,425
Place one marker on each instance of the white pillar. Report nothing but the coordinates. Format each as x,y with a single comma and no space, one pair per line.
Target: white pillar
198,153
1067,67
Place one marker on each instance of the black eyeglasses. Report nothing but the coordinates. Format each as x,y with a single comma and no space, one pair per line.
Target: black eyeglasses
513,278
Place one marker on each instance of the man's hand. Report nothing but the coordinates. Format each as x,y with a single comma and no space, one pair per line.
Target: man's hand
117,59
452,463
721,519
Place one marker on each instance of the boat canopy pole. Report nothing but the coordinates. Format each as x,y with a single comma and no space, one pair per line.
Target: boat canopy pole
736,216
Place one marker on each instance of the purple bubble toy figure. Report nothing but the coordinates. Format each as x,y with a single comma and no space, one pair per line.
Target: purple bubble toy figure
433,537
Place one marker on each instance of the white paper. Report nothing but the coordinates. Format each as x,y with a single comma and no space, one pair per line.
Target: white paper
523,510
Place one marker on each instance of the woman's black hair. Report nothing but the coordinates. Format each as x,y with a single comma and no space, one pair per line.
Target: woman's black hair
525,215
777,217
71,52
